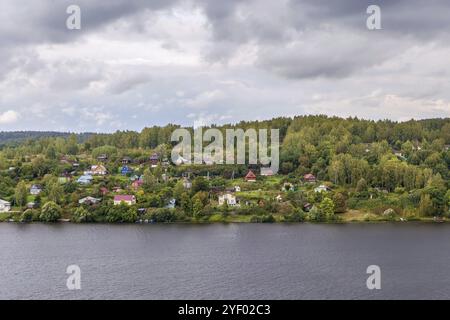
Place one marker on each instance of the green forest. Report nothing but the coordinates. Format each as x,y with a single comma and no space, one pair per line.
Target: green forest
331,170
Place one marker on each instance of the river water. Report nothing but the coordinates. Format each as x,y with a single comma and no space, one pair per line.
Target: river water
225,261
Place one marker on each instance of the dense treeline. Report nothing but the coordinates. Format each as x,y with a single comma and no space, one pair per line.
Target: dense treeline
16,137
368,164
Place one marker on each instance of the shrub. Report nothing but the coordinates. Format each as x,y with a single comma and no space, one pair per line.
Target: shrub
297,216
50,212
82,215
27,216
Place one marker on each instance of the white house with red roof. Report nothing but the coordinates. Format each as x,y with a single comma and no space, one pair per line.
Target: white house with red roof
124,198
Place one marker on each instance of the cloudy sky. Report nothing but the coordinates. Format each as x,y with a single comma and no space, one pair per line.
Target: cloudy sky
136,63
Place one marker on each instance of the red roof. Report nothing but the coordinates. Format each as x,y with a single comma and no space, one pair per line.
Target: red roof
123,197
309,176
250,175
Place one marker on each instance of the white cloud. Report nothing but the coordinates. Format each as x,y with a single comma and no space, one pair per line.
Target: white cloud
146,63
9,117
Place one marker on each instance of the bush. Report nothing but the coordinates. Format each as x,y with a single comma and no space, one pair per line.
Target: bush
163,215
82,215
50,212
27,216
297,216
316,215
389,214
122,213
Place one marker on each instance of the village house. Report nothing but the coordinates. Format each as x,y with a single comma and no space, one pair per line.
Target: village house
309,178
123,198
85,179
165,162
126,160
171,204
266,172
250,176
5,206
227,198
102,158
307,207
89,200
135,177
322,188
104,191
237,188
154,160
31,205
35,189
126,170
97,170
187,184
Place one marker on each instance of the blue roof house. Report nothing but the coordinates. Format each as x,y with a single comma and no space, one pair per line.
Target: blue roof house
86,179
126,170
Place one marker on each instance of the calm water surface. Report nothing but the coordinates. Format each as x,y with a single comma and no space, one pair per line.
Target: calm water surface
235,261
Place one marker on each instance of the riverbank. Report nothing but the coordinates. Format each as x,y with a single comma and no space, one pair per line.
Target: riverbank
352,216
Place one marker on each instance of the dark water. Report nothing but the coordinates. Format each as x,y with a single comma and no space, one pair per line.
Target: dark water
236,261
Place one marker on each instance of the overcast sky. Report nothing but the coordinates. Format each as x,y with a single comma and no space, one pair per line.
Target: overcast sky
137,63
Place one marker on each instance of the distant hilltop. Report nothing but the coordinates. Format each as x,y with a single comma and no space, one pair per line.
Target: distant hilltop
390,130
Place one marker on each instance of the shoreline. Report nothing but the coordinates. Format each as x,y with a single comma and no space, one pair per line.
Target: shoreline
422,221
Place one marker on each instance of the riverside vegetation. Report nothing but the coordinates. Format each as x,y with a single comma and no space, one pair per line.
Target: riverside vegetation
331,170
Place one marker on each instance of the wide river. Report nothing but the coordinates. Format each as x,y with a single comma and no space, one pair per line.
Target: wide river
234,261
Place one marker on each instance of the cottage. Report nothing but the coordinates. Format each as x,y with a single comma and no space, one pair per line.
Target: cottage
307,207
135,177
187,184
310,178
266,172
104,191
126,160
5,206
89,200
165,162
31,205
227,198
35,189
154,160
322,188
97,170
171,204
126,170
85,179
250,176
237,188
123,198
102,158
